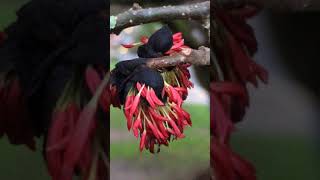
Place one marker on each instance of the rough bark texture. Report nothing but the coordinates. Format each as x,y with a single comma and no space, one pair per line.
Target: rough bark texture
192,56
137,15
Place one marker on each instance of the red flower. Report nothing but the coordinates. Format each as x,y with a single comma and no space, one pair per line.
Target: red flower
63,123
73,141
93,79
229,97
177,37
156,121
14,117
228,165
144,39
3,37
178,43
128,45
243,64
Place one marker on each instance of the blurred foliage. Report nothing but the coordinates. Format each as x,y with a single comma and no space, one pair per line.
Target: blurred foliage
8,10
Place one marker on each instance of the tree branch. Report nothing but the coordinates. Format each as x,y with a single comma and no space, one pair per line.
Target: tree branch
191,56
280,5
137,15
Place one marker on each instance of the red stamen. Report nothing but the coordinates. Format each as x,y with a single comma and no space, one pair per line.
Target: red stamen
143,139
163,92
177,36
178,111
129,123
136,124
136,102
157,116
155,98
92,79
187,117
176,96
153,129
149,99
162,129
170,131
178,45
177,132
144,39
144,91
127,45
128,102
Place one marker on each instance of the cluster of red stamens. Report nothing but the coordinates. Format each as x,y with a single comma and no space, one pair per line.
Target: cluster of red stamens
178,43
154,120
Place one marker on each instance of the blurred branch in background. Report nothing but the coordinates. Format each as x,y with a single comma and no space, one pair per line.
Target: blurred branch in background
155,2
280,5
137,15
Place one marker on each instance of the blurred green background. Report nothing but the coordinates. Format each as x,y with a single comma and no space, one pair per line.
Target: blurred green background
278,157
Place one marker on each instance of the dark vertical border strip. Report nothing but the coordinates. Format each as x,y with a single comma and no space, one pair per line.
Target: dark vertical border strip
211,79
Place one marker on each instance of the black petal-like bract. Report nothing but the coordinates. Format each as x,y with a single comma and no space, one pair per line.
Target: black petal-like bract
158,44
143,75
128,73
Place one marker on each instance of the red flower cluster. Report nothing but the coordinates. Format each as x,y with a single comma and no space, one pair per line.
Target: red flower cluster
178,43
156,121
14,117
150,118
233,69
14,120
229,165
73,143
65,103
